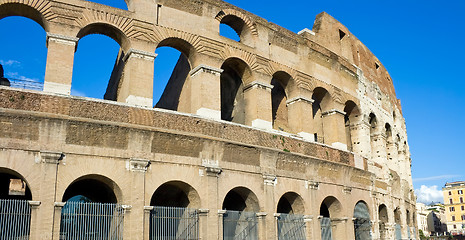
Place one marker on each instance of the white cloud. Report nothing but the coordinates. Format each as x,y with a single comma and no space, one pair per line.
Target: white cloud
78,93
429,194
435,178
9,62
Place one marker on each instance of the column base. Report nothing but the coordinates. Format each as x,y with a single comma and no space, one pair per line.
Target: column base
307,136
139,101
262,124
59,88
209,113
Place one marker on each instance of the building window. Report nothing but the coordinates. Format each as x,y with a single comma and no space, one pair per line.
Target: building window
455,227
463,217
451,209
460,191
461,199
450,193
462,207
453,218
450,200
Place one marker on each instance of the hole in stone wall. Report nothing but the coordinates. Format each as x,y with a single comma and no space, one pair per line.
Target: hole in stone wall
341,34
376,65
227,31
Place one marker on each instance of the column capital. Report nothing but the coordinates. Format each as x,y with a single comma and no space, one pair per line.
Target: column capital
261,214
148,208
206,69
299,99
34,204
257,84
59,204
333,111
138,165
270,179
221,212
203,211
58,38
134,53
51,157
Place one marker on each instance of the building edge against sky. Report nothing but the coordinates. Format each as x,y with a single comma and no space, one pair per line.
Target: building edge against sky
277,124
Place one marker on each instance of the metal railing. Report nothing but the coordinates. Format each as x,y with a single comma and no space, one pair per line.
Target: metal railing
15,219
362,227
398,232
239,225
291,227
326,232
91,221
26,84
174,223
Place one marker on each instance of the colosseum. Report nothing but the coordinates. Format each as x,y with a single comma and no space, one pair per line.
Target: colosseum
275,136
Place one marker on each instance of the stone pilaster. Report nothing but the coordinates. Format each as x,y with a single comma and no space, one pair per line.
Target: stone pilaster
60,60
258,110
136,86
334,128
33,234
205,91
203,223
57,219
300,117
147,211
262,222
134,215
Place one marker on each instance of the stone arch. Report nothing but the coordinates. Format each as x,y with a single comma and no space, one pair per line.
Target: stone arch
351,117
176,194
281,82
108,30
362,221
174,97
97,188
321,104
291,203
36,13
240,23
13,185
235,73
331,207
241,199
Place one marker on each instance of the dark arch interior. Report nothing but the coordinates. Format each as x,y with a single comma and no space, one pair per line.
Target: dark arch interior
284,206
13,186
383,214
397,216
232,99
372,121
235,23
324,210
234,201
278,100
91,189
170,195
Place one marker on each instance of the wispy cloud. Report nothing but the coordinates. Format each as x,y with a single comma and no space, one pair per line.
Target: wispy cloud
9,62
435,178
427,194
78,93
15,75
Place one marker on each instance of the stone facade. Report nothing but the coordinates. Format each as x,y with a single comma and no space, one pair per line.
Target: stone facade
312,119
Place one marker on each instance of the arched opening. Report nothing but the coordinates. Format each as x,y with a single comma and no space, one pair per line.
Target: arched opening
98,62
383,220
389,142
321,101
362,223
290,222
408,223
91,208
329,208
280,82
171,74
398,230
240,218
234,28
23,50
121,4
372,120
15,210
174,214
351,118
235,73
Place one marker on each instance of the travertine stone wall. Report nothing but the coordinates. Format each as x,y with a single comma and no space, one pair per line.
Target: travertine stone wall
336,135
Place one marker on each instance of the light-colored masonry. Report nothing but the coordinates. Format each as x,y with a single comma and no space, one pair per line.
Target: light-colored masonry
309,119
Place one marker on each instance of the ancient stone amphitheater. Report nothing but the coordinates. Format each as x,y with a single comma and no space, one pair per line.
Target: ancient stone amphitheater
276,136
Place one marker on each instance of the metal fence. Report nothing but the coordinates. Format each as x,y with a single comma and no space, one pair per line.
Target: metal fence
326,232
173,223
26,84
362,223
15,219
398,232
91,221
291,227
240,226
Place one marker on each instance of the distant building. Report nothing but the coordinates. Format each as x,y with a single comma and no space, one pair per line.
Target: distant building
436,220
455,207
422,217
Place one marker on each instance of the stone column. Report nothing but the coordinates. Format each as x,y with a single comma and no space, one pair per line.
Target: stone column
308,226
340,228
57,220
262,232
360,142
127,223
147,210
257,96
269,181
205,91
33,234
203,223
60,59
220,225
378,152
136,86
334,129
301,117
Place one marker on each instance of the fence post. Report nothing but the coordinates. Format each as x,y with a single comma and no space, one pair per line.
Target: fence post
147,211
57,219
203,223
33,235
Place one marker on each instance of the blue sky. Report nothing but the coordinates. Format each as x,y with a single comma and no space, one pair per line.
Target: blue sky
421,43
